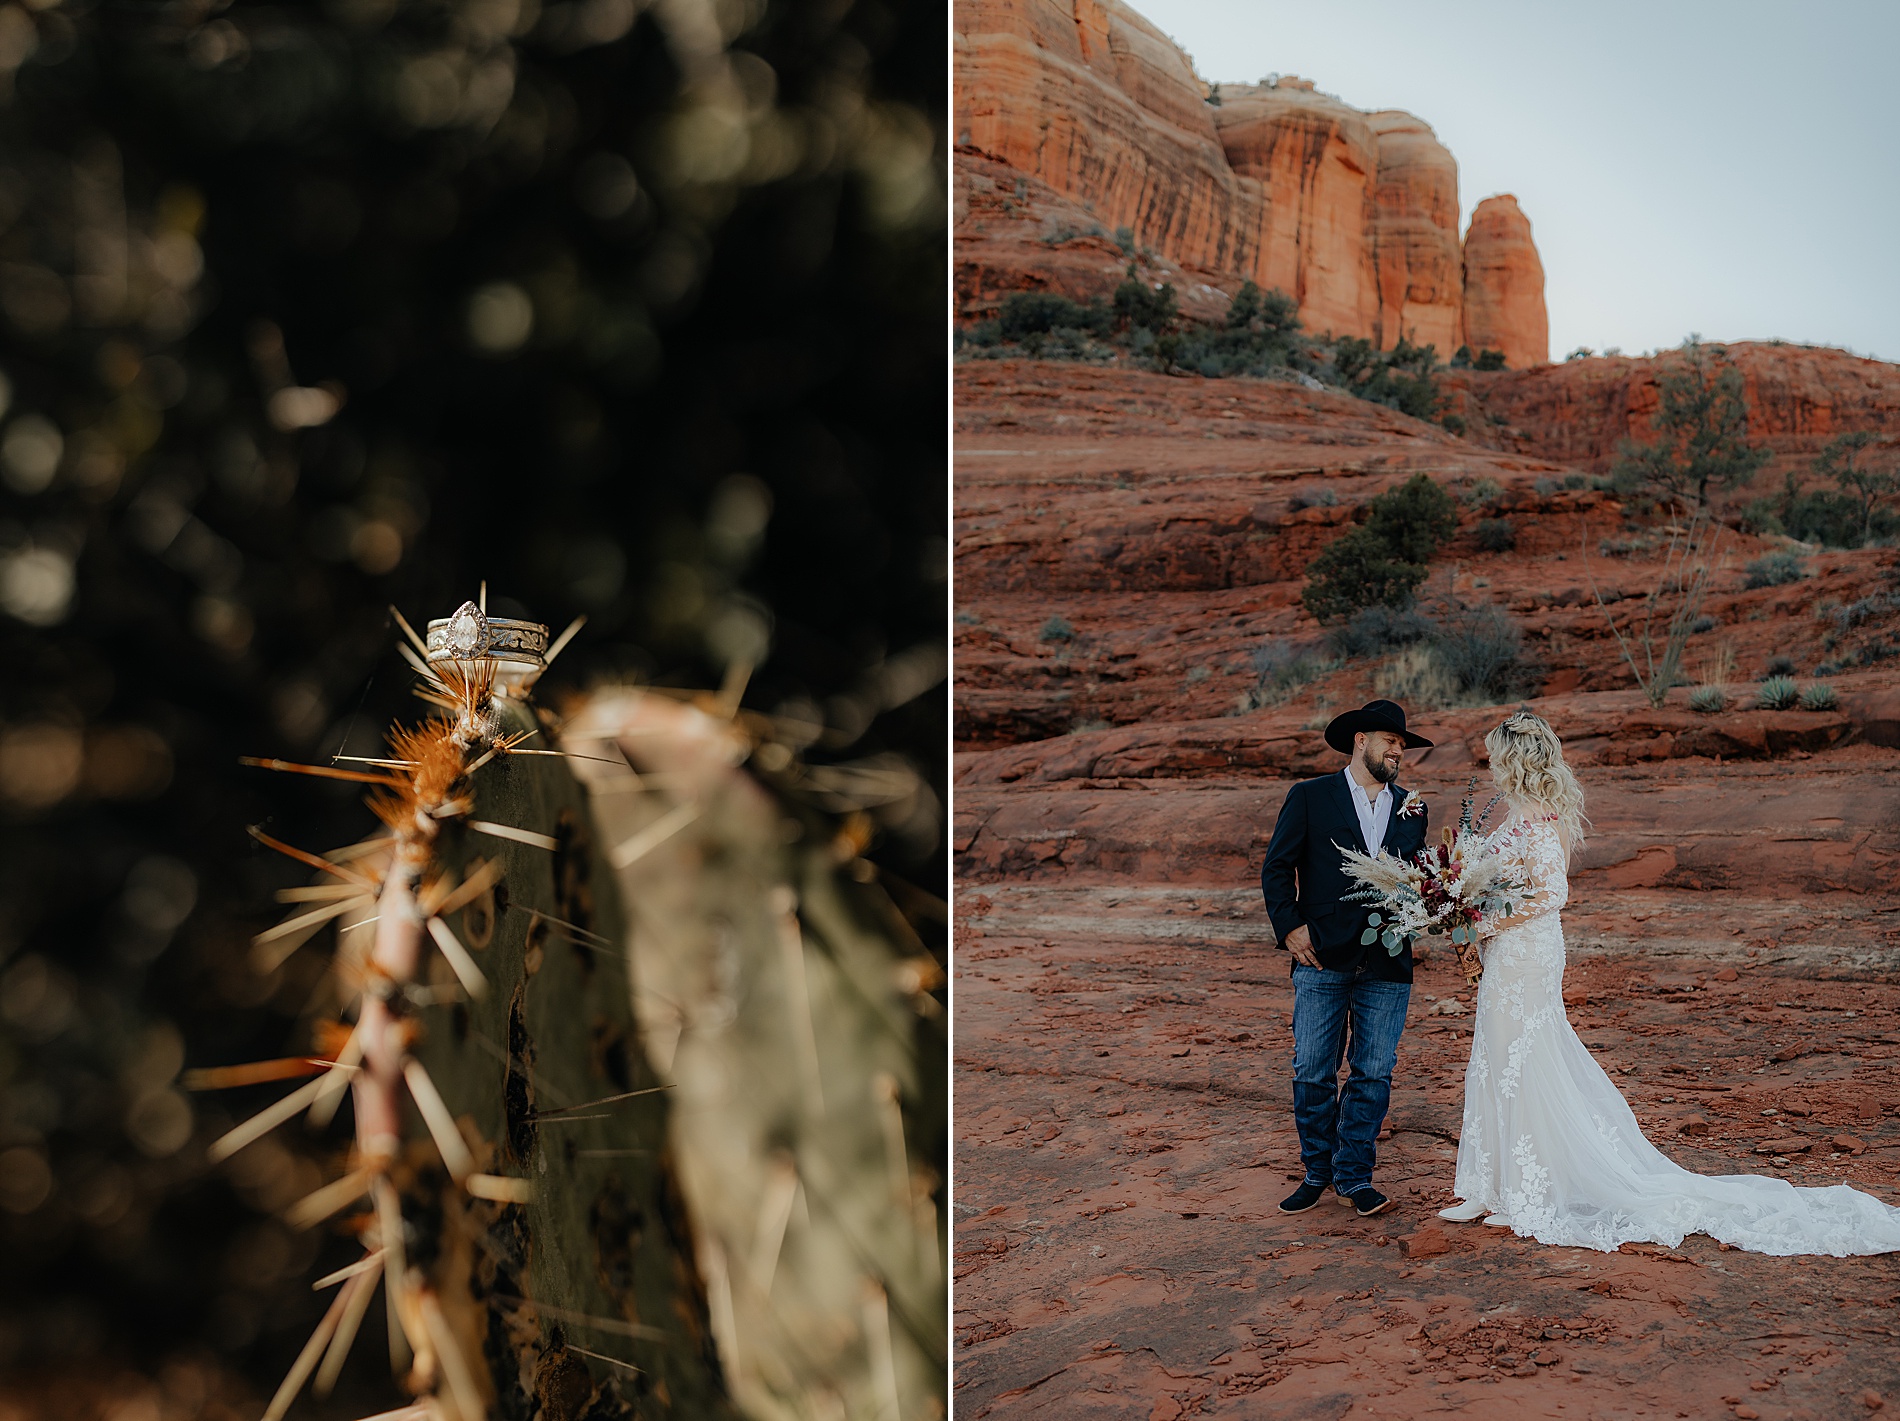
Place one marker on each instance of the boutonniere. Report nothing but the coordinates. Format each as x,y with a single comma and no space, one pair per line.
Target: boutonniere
1414,804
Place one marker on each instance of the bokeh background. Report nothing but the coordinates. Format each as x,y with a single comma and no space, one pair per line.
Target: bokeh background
631,309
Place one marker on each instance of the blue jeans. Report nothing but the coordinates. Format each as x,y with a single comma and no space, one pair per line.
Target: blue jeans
1339,1125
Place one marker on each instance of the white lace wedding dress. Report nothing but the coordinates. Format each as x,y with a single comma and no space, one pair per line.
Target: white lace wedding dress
1550,1144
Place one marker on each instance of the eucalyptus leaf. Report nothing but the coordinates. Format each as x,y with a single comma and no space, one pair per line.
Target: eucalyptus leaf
1366,937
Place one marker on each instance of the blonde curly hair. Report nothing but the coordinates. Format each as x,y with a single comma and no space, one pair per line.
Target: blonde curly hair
1527,765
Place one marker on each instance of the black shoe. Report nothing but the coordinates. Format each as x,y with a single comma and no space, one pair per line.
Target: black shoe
1369,1201
1303,1198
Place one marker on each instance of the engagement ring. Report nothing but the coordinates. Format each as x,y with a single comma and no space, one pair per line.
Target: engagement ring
471,635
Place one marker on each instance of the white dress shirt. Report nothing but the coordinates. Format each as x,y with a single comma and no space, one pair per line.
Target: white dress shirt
1375,811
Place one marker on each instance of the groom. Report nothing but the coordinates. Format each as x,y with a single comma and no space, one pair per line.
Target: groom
1348,1001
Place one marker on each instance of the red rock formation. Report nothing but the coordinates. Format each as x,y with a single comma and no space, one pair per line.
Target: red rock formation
1353,214
1577,412
1504,285
1414,228
1100,105
1313,158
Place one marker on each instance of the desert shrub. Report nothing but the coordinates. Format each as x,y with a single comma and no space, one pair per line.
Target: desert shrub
1776,569
1057,628
1496,535
1401,378
1417,677
1382,563
1040,312
1125,239
1321,497
1483,650
1574,481
1138,304
1544,486
1488,360
1708,699
1414,519
1778,666
1483,491
1455,423
1280,668
1828,668
1359,570
1820,698
1261,335
1703,623
1874,605
1776,693
1373,631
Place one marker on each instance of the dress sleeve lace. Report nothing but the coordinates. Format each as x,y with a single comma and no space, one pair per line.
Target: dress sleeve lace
1536,850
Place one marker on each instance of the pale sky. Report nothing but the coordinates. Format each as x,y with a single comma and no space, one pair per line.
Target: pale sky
1731,169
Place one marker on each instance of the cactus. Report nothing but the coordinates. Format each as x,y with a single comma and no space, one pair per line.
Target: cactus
508,1215
790,1006
1820,698
1708,699
609,1165
1776,693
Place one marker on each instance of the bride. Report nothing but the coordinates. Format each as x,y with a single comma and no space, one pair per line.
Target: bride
1549,1148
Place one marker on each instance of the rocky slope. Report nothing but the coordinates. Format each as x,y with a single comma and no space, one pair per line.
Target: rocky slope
1578,411
1126,545
1354,214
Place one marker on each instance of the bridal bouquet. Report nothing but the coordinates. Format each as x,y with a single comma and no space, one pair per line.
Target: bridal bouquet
1447,890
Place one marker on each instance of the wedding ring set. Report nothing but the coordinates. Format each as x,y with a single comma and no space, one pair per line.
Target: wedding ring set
518,648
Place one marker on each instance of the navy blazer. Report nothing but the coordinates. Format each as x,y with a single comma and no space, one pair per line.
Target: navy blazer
1302,878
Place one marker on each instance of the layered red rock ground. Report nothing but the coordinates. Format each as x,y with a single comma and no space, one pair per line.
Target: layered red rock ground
1123,1126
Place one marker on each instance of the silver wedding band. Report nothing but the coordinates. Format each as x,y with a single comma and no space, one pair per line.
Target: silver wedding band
468,634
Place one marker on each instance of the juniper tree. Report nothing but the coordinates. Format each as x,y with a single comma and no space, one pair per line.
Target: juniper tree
1701,428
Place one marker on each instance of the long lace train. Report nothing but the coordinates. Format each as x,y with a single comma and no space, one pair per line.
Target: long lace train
1550,1143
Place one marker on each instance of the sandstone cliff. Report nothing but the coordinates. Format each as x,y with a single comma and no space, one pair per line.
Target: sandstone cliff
1504,285
1354,214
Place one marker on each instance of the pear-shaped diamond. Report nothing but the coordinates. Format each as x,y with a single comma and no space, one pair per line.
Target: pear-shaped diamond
467,633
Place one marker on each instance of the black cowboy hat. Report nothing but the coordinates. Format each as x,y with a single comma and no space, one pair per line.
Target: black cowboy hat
1388,716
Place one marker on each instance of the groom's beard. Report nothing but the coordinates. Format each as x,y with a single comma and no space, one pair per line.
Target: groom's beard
1383,771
